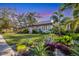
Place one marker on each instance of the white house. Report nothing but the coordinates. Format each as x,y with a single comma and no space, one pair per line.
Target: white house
44,26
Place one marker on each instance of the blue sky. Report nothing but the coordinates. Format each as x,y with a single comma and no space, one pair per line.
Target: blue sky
45,9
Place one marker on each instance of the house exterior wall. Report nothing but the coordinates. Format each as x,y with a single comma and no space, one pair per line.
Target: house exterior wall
43,28
30,29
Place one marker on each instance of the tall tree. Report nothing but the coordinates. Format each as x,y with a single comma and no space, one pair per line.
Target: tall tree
75,8
4,14
32,18
57,18
59,21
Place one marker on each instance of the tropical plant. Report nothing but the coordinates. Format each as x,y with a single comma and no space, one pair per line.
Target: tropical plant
32,18
59,22
24,30
34,31
57,18
67,40
74,51
75,11
39,50
22,49
73,6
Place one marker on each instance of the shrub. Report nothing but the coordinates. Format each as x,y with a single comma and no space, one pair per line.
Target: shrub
77,30
22,49
40,31
39,50
0,30
30,42
34,31
74,51
55,30
25,30
23,41
65,40
75,36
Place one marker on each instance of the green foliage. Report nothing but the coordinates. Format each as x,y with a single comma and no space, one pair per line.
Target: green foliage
77,30
34,31
65,40
59,25
22,49
74,51
25,30
31,18
36,42
39,50
75,8
23,41
55,30
11,41
74,36
73,23
0,30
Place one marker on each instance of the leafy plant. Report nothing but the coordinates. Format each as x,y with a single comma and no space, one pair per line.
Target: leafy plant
39,50
75,36
25,30
22,49
74,51
34,31
65,40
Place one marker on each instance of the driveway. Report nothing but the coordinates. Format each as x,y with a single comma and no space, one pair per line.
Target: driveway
5,49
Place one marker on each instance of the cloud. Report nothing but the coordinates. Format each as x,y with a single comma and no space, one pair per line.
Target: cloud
45,14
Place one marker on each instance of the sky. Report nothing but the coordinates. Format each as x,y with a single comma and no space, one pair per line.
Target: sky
44,9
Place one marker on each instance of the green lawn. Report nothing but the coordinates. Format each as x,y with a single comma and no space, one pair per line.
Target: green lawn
21,38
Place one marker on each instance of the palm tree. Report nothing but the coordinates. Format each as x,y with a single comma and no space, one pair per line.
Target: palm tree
66,23
58,19
70,25
61,23
32,18
75,7
74,25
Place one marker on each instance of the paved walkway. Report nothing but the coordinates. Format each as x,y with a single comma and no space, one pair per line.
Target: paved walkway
5,49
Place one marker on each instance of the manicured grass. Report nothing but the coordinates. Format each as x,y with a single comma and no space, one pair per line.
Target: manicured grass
12,38
21,38
26,36
30,39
